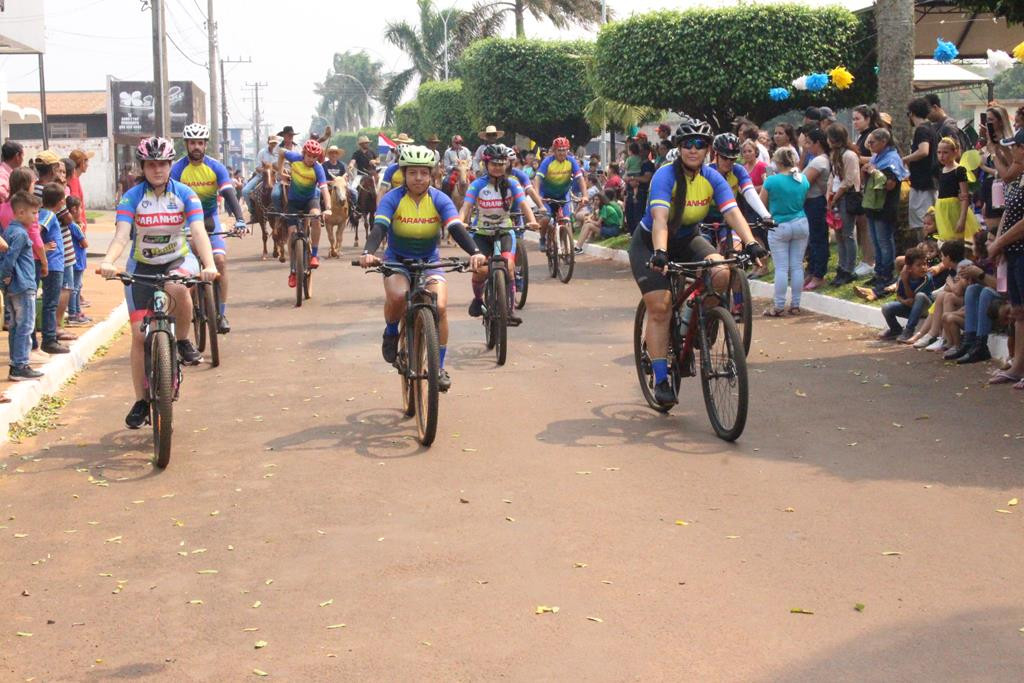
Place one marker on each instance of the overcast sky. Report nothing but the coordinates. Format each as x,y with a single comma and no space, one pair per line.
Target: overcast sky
88,39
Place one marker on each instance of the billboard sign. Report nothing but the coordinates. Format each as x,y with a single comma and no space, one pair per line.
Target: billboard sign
131,107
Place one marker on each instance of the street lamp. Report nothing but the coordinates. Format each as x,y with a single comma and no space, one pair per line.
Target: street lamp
445,16
365,91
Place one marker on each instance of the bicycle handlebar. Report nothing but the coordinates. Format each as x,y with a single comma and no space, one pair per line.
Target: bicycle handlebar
415,265
685,268
158,278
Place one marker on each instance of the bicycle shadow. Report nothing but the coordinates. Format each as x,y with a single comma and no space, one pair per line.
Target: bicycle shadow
617,425
377,433
119,457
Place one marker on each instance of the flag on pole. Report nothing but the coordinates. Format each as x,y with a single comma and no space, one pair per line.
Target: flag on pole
384,144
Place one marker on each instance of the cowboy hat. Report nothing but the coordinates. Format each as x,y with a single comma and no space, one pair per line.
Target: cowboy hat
333,148
434,138
492,130
363,139
404,139
287,130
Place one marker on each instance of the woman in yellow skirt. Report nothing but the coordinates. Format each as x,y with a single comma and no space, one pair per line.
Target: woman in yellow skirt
954,218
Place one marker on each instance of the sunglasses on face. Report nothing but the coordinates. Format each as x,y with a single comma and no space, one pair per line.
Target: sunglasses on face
694,143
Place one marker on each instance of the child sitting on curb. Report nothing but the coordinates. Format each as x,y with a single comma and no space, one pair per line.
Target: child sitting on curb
913,293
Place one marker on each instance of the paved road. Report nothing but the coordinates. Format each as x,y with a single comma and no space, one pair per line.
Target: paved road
670,554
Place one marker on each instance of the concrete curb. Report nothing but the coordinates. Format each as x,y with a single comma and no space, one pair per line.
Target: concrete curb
59,369
862,314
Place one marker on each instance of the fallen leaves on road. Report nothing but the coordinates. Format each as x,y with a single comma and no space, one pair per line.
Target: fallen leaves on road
325,603
23,634
789,510
259,672
335,626
800,610
859,607
195,602
801,394
1012,502
115,539
579,565
1004,512
544,609
260,644
510,519
256,604
892,553
682,522
207,571
597,619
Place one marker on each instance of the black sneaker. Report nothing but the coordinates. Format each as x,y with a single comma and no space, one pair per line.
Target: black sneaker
23,372
476,308
138,415
54,347
514,320
223,326
665,394
188,353
959,351
578,249
444,382
976,354
389,347
890,335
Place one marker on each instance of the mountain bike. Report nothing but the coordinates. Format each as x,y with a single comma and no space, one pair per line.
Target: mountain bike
300,251
162,370
419,356
560,248
712,331
205,308
498,301
522,269
741,303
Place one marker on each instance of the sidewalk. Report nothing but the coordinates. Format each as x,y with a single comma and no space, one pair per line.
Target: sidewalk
109,314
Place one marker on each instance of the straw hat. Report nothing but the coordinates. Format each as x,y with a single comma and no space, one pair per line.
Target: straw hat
491,130
434,138
333,148
404,139
362,139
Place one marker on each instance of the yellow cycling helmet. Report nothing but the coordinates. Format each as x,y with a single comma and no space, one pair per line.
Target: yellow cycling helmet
416,155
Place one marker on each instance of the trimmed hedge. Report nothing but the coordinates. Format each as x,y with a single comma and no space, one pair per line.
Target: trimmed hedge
531,87
719,63
443,111
408,119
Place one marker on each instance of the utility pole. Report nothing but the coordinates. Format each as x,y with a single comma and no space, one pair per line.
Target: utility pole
211,32
161,112
224,102
256,115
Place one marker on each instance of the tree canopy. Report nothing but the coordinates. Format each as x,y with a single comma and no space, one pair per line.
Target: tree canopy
343,93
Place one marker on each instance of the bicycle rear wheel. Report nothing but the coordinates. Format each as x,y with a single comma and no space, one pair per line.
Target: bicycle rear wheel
742,310
552,250
307,281
426,366
723,374
499,314
210,300
161,397
522,276
298,263
566,254
199,316
642,360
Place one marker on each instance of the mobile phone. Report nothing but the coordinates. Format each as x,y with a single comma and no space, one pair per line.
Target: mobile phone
984,119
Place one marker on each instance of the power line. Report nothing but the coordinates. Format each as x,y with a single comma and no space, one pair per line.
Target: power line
182,52
201,12
188,14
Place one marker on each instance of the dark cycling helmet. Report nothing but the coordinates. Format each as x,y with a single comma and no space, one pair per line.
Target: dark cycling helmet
155,149
691,128
726,145
495,153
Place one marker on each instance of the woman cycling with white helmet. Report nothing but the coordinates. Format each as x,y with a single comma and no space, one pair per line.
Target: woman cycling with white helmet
157,216
680,197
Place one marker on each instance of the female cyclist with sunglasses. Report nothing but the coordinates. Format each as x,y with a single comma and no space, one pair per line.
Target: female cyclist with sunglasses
681,195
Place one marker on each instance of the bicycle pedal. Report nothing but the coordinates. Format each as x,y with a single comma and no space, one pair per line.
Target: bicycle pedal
513,323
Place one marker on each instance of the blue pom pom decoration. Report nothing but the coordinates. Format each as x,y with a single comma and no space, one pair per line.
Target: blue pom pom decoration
945,51
778,94
817,82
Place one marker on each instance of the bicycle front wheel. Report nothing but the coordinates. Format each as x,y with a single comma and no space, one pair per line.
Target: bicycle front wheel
552,250
642,360
199,316
161,397
566,254
298,267
408,400
723,374
211,301
742,306
500,314
522,277
426,366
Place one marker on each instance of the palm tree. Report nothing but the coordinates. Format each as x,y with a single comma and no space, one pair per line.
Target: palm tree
561,13
424,44
343,94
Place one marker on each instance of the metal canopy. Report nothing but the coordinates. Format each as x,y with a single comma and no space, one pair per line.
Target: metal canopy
973,33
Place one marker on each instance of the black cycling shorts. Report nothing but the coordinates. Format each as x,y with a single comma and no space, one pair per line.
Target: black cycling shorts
641,249
485,243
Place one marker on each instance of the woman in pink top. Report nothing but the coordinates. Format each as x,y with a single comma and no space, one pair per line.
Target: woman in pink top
81,160
755,168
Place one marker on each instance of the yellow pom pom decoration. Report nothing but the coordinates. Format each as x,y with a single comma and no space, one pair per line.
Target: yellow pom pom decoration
842,78
1018,52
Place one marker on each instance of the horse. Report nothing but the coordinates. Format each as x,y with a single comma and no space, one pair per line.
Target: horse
366,206
260,206
460,183
339,216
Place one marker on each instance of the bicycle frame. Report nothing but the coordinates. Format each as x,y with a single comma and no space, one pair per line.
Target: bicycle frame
701,274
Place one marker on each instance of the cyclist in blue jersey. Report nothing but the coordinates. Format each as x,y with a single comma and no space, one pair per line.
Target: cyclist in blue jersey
680,197
158,216
523,179
492,197
210,179
556,177
413,217
726,148
307,181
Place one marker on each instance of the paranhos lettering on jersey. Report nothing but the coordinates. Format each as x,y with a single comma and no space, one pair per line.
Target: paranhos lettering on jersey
157,220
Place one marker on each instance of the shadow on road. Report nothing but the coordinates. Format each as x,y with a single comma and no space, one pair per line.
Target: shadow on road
121,456
616,425
378,433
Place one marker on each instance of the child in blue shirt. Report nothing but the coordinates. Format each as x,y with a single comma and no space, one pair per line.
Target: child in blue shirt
75,315
49,225
18,278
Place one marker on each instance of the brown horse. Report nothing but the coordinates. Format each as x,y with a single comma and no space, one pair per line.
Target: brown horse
366,206
461,183
338,218
260,206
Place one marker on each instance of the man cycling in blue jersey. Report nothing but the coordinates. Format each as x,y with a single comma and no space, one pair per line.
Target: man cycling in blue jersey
555,179
681,196
209,179
413,217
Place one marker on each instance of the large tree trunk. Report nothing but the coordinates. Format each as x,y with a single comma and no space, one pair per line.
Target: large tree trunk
895,49
520,12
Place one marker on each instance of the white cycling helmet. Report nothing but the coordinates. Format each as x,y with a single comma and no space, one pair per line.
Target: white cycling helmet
672,155
196,131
